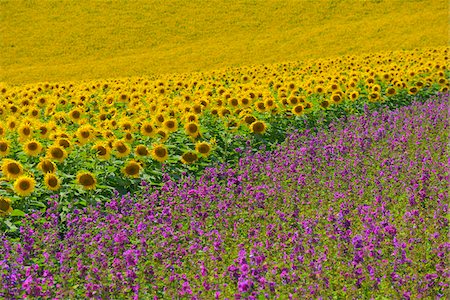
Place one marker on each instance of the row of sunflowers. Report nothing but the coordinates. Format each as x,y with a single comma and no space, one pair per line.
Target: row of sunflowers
83,140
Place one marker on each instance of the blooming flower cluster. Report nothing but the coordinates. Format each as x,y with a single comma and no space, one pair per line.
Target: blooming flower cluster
360,209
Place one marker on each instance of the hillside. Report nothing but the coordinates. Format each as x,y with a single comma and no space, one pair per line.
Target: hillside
66,40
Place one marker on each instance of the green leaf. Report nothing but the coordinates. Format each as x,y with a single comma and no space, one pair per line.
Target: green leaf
17,213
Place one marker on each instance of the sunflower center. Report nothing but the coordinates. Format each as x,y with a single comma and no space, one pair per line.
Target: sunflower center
52,181
101,150
13,168
160,152
132,169
4,205
148,128
142,151
3,147
203,148
26,131
192,128
32,146
85,134
64,143
258,127
47,167
24,185
57,153
76,115
121,148
86,180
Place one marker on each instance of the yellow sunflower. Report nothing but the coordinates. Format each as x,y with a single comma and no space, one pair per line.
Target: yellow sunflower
52,182
203,148
47,166
56,153
11,169
148,129
87,180
192,129
189,157
160,152
4,148
121,149
141,150
258,127
102,151
32,148
132,169
24,185
5,206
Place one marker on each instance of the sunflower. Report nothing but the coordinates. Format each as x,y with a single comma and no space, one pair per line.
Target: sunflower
131,169
325,104
203,148
43,130
32,148
102,151
5,206
2,130
85,134
11,168
298,110
192,129
121,149
258,127
4,148
128,137
63,142
86,180
75,115
162,134
336,98
24,185
244,102
390,91
189,157
413,90
148,129
354,95
25,132
141,150
52,182
260,106
160,153
249,119
374,96
170,125
57,153
47,166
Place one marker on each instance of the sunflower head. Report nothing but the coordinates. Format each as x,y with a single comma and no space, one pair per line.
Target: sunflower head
52,182
203,148
258,127
24,185
141,150
132,169
56,153
5,206
121,149
11,169
47,166
86,180
32,148
192,129
148,129
102,151
4,148
25,132
160,152
189,157
298,110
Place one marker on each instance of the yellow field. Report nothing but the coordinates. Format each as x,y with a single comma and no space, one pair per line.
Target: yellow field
69,40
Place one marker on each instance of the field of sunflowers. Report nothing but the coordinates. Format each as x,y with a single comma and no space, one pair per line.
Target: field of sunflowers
316,176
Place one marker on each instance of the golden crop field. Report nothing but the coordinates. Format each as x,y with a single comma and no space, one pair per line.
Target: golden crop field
73,40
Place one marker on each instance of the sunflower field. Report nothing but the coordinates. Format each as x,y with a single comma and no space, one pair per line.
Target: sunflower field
211,152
